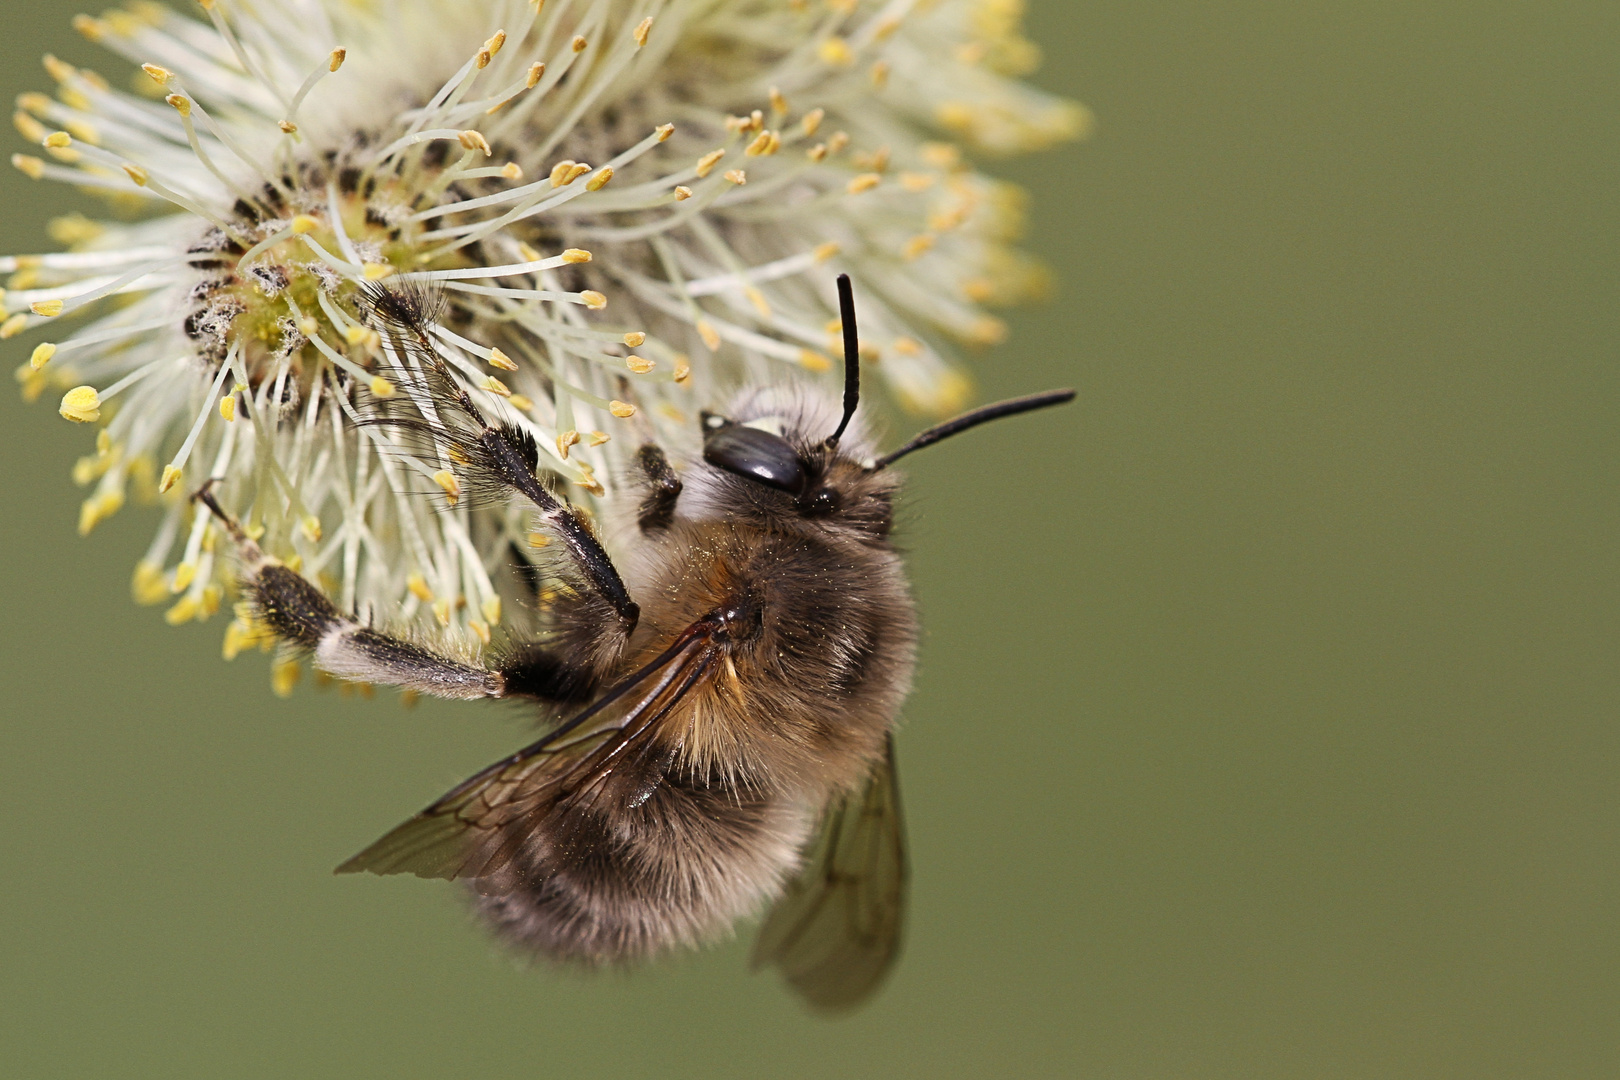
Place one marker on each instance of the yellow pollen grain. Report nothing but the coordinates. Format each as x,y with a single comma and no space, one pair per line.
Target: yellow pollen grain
448,482
643,28
42,355
539,540
811,360
708,161
664,131
82,405
419,587
576,255
737,176
622,409
335,60
474,141
521,402
639,364
500,360
381,387
597,438
50,309
495,386
864,182
682,193
593,299
227,407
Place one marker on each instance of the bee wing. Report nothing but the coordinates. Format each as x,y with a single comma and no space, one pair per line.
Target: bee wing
478,826
835,933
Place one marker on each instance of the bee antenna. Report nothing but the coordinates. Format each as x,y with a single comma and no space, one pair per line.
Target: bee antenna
973,419
852,356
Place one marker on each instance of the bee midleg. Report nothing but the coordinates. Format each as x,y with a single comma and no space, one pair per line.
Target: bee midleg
661,485
297,612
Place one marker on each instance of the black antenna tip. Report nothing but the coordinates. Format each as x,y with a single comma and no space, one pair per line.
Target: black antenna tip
852,356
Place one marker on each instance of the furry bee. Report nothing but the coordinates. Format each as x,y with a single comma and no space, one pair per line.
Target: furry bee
723,698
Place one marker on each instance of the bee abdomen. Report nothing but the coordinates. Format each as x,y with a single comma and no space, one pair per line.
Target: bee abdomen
675,872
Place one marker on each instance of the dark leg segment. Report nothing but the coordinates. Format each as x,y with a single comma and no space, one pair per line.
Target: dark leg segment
663,488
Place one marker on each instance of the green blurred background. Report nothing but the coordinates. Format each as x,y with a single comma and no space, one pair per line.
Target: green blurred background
1266,724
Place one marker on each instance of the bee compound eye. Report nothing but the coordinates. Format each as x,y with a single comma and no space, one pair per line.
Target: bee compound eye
757,455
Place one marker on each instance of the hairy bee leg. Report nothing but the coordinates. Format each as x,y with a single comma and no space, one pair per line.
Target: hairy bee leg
300,614
662,486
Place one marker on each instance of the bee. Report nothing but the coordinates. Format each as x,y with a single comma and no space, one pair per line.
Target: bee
722,698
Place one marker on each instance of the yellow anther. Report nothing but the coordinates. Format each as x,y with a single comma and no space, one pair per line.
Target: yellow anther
483,58
643,28
91,28
683,371
635,339
238,636
284,676
597,438
539,540
708,161
170,475
639,364
917,245
907,346
28,127
915,182
710,336
179,103
500,360
576,255
886,27
183,612
82,405
184,575
578,44
536,71
987,330
480,629
475,141
335,60
593,299
811,360
839,140
491,609
50,309
452,487
74,229
736,176
812,122
496,42
104,443
160,75
14,326
495,386
578,170
98,508
880,74
560,171
864,182
209,601
310,526
600,180
511,171
137,174
441,611
521,401
58,140
227,407
31,167
779,104
825,251
381,387
308,326
664,131
355,334
378,271
566,439
836,51
528,253
42,355
817,152
622,409
148,586
764,144
682,193
303,224
419,587
56,69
